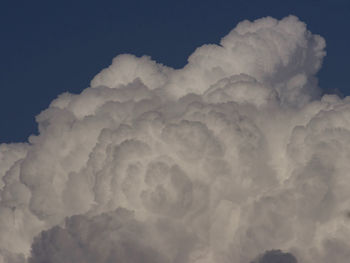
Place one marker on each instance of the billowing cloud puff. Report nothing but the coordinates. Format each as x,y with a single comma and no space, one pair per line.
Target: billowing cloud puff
234,158
110,237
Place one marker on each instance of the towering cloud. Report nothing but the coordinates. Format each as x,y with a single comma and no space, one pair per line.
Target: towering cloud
234,158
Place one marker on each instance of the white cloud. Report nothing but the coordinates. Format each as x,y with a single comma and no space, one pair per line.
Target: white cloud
231,157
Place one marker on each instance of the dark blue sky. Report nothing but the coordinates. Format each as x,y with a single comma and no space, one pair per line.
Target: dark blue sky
55,46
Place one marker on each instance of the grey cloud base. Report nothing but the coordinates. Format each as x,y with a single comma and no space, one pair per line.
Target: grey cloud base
276,256
234,158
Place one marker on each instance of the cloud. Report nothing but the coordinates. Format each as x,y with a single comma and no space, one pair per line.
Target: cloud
235,155
108,237
276,256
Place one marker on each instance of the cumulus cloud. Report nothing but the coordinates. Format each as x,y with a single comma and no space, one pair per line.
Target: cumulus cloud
234,158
